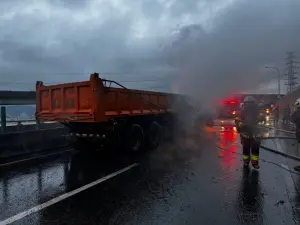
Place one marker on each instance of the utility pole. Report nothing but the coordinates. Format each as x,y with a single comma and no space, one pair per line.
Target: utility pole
291,75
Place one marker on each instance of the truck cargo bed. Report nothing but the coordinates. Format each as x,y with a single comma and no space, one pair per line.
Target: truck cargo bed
93,101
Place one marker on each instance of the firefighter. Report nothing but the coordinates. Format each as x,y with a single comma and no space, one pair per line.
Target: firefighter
293,108
296,120
247,125
241,105
237,121
286,114
275,112
295,116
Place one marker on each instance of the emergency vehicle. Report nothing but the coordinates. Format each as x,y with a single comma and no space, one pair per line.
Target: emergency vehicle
229,108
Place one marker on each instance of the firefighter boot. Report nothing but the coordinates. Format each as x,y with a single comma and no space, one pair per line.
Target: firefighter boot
246,151
246,160
254,160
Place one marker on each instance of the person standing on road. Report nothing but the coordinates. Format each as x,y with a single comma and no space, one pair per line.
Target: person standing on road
286,114
295,117
237,120
275,112
247,125
293,108
262,110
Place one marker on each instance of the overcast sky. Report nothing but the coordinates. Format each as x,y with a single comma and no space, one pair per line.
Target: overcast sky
204,48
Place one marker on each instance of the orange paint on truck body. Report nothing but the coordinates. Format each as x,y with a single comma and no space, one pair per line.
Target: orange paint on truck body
92,101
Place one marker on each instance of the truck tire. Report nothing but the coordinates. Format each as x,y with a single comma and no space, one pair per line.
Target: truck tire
135,139
154,135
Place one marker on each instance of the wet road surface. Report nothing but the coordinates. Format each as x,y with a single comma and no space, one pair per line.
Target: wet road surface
189,181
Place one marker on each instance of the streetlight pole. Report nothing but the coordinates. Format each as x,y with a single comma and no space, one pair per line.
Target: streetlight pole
278,71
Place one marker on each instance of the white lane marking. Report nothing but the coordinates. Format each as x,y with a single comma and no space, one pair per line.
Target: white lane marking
290,183
285,166
278,145
64,196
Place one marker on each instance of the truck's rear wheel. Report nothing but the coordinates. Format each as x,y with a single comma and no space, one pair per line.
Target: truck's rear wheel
135,139
154,135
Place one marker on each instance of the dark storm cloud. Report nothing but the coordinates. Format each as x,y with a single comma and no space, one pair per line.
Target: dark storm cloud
183,7
55,46
152,8
59,40
72,4
51,43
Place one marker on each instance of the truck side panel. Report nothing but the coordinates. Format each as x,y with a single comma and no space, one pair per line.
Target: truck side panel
121,102
62,102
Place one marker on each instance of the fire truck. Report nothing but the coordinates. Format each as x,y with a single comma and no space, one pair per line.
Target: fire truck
229,108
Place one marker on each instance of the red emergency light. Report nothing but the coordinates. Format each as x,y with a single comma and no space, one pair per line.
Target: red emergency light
230,102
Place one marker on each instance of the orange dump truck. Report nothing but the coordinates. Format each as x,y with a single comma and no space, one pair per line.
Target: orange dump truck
97,113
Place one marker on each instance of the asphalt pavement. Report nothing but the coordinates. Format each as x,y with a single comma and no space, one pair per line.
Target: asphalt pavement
187,181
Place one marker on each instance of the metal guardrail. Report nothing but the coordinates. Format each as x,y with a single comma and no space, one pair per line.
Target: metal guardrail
21,125
28,121
17,121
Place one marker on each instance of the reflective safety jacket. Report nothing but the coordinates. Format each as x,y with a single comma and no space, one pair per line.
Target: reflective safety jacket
293,109
275,111
286,112
247,122
296,120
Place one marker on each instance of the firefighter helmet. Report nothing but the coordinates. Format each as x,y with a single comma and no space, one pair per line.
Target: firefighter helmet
249,99
297,103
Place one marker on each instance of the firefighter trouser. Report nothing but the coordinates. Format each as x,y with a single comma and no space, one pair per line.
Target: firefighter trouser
242,139
250,150
298,133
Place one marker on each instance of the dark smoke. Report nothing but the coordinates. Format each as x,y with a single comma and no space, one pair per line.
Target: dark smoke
231,56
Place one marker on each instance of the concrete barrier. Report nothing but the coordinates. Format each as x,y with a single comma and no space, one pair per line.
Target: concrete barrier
27,142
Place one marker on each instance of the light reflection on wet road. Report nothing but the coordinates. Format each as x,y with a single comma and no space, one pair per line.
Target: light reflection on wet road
190,181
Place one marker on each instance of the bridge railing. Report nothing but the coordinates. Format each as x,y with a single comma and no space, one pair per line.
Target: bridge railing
8,126
22,122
